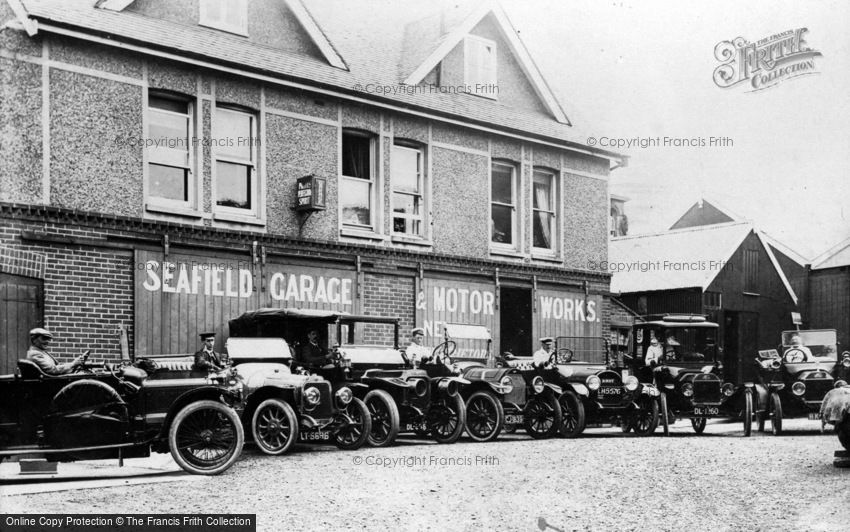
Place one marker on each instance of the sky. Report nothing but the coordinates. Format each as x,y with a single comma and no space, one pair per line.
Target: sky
644,69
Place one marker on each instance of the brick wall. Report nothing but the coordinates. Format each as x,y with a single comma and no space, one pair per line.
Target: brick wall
392,296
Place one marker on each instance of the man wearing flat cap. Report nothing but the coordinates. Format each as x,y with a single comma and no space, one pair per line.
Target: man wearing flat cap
208,360
541,356
38,353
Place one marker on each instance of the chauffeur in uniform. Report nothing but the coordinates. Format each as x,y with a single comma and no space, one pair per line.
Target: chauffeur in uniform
541,356
206,358
38,353
416,352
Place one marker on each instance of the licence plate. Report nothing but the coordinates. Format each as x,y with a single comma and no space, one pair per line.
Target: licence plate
814,415
413,427
610,390
706,411
315,435
514,419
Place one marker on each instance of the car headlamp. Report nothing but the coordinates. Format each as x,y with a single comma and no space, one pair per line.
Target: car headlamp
507,384
420,387
631,383
537,384
593,383
343,395
798,388
688,389
839,383
728,389
845,362
312,396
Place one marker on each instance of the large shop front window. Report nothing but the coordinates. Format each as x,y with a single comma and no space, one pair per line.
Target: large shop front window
235,149
545,211
503,207
170,178
408,185
357,184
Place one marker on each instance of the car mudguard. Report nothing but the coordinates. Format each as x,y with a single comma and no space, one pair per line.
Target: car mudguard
580,389
557,390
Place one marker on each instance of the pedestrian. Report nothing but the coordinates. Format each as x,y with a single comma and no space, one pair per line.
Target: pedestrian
40,340
207,359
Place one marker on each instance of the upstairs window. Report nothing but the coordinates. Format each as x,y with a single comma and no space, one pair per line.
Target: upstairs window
170,178
503,206
235,152
358,191
226,15
544,202
408,189
480,67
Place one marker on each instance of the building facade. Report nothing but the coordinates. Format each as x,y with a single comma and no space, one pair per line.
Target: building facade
167,166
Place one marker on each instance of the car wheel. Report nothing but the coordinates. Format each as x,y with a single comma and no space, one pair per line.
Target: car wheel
355,433
645,419
385,418
447,420
665,419
484,416
698,423
843,430
542,416
776,414
274,426
748,413
572,415
206,437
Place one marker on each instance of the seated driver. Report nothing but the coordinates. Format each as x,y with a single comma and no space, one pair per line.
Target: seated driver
313,354
538,359
797,343
38,353
654,351
670,345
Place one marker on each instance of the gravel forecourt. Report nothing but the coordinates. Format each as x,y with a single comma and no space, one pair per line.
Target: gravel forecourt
604,480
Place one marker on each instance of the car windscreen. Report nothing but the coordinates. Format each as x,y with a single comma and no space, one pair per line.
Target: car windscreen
585,350
680,345
820,343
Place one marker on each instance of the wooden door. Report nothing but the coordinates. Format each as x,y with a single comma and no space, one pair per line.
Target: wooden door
21,309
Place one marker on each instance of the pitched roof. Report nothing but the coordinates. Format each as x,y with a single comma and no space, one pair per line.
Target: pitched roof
835,257
368,34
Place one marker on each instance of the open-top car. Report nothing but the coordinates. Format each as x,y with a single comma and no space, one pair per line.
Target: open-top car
364,357
799,374
596,391
680,353
280,408
496,396
122,411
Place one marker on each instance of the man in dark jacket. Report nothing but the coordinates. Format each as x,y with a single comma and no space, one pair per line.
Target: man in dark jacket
207,359
38,353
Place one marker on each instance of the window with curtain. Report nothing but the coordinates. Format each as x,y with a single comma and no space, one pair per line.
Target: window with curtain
235,147
544,210
170,154
357,183
503,206
408,190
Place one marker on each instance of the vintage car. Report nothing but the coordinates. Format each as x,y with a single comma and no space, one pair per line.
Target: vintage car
835,410
280,408
366,358
595,390
689,373
496,395
121,411
798,379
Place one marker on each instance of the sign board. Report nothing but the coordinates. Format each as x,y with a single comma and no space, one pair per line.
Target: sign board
310,193
796,318
567,313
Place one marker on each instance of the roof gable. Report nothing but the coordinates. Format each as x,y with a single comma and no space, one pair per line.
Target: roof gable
835,257
704,212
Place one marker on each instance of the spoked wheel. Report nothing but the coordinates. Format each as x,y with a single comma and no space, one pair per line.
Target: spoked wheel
355,433
698,423
484,416
542,417
274,426
645,419
385,418
748,413
572,415
447,419
776,414
665,419
843,430
206,437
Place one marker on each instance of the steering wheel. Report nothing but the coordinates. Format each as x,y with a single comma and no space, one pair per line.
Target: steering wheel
82,367
561,356
794,355
444,351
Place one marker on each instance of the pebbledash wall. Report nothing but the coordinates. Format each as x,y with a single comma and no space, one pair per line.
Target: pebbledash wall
74,213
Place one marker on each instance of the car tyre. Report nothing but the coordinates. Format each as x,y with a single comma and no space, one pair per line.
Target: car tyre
274,426
776,414
665,420
699,423
645,419
385,418
573,419
356,433
484,416
448,424
748,413
542,417
206,437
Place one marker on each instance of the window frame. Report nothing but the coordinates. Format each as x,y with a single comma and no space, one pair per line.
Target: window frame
422,194
157,203
554,211
374,185
516,233
469,71
255,211
238,28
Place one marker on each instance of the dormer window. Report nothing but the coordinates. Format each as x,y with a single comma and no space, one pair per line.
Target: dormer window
480,67
225,15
